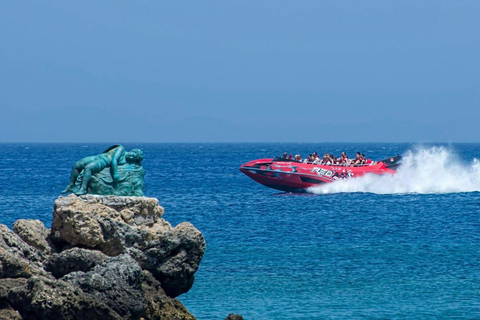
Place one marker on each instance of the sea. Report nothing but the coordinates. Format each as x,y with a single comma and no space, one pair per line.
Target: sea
405,246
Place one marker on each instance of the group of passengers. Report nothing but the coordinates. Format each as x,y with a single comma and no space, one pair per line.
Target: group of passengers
330,159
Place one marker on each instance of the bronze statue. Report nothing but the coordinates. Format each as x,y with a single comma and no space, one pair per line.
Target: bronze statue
112,159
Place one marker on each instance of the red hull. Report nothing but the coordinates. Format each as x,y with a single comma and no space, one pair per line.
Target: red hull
295,176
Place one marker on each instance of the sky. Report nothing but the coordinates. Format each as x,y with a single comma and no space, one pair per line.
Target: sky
240,71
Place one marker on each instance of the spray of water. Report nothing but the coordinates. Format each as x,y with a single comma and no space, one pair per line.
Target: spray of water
423,171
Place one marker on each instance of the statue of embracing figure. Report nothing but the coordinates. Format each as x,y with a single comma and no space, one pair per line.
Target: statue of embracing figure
105,168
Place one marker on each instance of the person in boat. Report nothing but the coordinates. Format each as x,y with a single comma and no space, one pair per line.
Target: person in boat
316,159
343,159
310,158
358,159
284,155
327,160
334,159
298,158
290,157
364,160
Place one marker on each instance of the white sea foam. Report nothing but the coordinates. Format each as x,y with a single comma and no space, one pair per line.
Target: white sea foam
423,171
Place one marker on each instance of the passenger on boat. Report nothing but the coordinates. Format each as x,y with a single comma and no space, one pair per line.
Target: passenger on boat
327,159
284,155
343,159
310,158
358,159
298,158
334,159
364,160
290,157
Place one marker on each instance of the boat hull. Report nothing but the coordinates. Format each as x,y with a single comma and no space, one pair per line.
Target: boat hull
294,176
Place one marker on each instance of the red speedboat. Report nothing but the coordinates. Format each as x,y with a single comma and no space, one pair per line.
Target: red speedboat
293,176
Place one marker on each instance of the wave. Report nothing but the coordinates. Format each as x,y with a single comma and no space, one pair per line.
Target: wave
423,171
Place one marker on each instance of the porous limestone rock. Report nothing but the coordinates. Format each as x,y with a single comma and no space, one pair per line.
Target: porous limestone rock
72,260
175,257
115,225
117,282
105,258
6,311
89,220
34,233
17,258
47,298
9,283
115,289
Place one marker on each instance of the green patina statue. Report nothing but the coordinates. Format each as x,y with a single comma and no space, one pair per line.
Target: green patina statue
114,171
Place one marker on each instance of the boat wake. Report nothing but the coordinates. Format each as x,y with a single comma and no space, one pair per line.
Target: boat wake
423,171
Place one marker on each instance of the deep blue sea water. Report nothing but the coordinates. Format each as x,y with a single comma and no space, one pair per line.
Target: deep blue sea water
403,247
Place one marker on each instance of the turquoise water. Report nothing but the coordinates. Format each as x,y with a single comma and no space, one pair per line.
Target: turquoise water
402,247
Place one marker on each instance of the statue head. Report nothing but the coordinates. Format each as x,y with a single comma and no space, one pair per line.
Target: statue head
134,155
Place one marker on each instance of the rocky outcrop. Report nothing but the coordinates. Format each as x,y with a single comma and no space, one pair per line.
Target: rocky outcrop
72,260
34,233
106,257
47,298
6,310
233,316
17,258
134,225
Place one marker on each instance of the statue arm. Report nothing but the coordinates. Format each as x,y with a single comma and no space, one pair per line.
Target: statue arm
117,155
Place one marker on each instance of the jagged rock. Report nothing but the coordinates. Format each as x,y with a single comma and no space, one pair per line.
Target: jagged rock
34,233
129,291
233,316
17,258
8,313
7,284
6,310
158,305
44,298
72,260
12,243
115,289
98,222
78,220
145,211
120,260
117,282
175,258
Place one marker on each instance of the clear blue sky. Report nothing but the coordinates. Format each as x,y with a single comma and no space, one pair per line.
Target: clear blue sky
240,71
